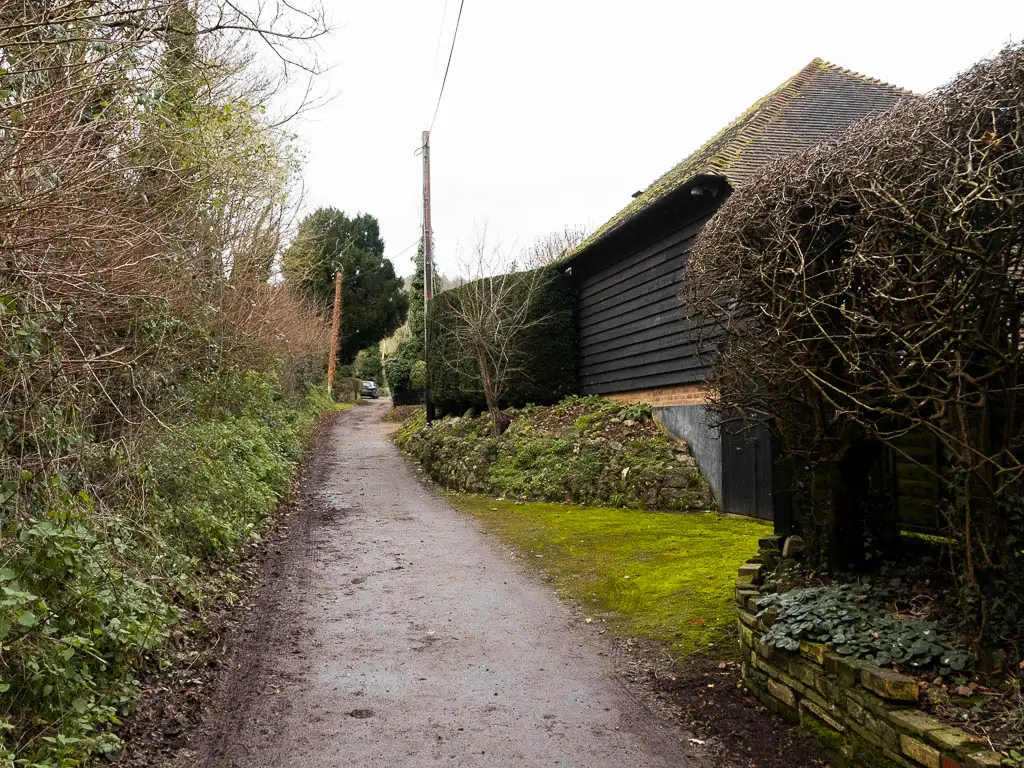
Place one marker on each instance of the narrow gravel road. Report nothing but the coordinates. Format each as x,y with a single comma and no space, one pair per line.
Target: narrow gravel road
398,634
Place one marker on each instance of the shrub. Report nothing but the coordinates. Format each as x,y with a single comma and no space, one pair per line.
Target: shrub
546,353
580,451
399,375
98,562
418,376
77,618
133,302
213,483
884,270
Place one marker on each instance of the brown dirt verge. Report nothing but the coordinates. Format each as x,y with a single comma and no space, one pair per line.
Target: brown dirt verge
708,698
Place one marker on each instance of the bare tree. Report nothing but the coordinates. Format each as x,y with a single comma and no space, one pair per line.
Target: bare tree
554,246
143,194
138,171
491,311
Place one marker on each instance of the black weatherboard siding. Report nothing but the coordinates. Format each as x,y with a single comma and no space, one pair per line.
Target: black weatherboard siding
634,333
634,330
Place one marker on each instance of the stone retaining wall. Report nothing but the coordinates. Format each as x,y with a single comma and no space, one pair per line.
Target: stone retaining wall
866,715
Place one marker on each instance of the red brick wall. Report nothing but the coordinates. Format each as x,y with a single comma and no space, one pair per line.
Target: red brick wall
686,394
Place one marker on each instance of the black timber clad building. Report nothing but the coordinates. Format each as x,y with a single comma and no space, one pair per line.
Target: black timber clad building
638,343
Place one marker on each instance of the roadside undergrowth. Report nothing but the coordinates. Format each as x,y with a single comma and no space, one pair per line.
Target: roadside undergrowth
584,450
102,561
662,577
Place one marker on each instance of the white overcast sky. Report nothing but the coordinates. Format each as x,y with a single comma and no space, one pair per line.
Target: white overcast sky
556,111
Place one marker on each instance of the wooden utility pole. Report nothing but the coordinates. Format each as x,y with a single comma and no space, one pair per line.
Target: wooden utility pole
332,362
428,265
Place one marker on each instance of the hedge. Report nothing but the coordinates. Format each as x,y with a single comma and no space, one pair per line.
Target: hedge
884,270
548,352
398,371
347,389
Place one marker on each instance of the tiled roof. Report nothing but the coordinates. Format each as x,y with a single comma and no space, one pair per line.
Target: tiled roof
813,105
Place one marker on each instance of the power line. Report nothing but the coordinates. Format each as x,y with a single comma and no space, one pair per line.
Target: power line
448,65
440,34
408,247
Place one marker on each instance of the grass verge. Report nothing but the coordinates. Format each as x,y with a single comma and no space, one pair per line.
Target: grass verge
664,577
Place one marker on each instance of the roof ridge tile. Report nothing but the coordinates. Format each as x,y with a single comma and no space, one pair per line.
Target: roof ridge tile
865,78
804,110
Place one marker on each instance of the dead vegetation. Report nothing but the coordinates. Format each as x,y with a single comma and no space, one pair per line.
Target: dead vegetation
870,289
145,189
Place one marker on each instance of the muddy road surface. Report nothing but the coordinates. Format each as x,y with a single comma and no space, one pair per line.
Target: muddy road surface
396,633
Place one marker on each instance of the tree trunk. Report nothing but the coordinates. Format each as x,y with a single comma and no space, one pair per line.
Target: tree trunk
850,490
488,384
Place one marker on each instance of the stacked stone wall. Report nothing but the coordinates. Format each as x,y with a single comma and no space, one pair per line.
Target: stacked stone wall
866,715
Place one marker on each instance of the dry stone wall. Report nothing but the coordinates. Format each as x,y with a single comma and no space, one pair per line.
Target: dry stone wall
866,715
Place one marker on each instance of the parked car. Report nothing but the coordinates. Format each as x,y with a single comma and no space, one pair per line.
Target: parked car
370,389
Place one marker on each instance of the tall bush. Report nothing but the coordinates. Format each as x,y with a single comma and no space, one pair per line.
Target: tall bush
398,371
540,360
153,383
872,287
398,366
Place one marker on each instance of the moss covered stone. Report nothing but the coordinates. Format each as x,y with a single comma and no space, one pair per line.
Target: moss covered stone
857,711
914,721
954,741
620,458
888,684
985,759
782,692
920,752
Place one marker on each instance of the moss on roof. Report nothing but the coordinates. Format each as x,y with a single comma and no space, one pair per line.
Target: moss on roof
816,103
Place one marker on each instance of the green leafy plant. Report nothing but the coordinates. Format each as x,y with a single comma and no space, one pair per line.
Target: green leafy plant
848,619
635,412
92,581
560,453
398,371
418,375
589,420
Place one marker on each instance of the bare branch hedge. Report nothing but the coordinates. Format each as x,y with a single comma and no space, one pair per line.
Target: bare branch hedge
155,387
870,288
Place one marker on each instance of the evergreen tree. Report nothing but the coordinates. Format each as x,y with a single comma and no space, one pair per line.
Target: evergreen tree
374,304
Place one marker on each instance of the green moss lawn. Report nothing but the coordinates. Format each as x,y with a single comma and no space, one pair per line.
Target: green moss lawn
661,576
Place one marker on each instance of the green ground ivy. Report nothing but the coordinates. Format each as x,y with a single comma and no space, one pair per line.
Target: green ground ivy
853,621
91,587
